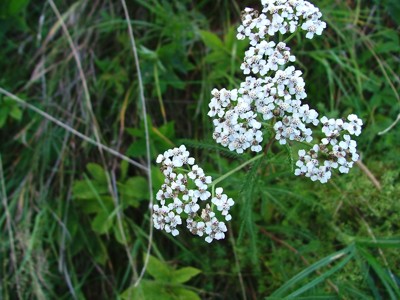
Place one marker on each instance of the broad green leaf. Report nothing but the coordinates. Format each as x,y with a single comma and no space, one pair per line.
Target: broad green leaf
218,58
137,148
97,205
211,40
184,274
147,290
84,191
184,294
136,187
16,113
159,270
118,233
136,132
157,177
102,222
97,172
168,130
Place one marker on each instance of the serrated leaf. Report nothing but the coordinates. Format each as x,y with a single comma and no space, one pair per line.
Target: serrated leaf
184,274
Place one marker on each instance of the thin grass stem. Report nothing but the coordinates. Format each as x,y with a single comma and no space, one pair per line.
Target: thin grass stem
147,135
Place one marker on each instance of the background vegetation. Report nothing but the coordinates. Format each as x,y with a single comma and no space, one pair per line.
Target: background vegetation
75,222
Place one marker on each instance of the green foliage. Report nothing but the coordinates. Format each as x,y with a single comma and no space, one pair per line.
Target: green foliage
12,15
94,197
75,221
9,110
167,283
160,139
225,55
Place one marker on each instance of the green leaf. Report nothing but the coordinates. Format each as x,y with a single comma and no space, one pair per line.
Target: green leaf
392,242
82,190
134,190
124,170
102,223
97,172
99,251
15,7
211,40
136,187
147,290
184,274
4,110
157,177
16,113
118,233
136,132
184,294
158,269
137,149
168,130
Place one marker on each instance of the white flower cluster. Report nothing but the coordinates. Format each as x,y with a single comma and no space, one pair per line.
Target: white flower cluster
182,193
280,16
335,153
238,114
276,55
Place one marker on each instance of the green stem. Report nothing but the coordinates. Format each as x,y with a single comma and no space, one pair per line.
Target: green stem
158,90
218,180
290,37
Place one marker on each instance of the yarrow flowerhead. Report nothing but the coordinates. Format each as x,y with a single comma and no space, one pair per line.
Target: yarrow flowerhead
280,16
336,151
277,94
184,191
